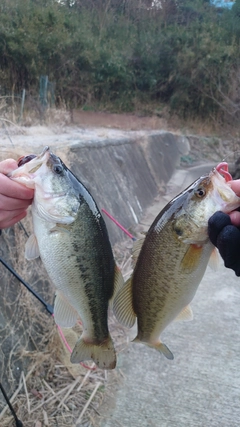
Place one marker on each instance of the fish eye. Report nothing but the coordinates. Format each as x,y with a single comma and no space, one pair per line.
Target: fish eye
58,169
200,192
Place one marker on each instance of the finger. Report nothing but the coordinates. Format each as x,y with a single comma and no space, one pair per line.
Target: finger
10,204
216,223
8,166
235,218
228,243
13,189
9,222
9,215
235,186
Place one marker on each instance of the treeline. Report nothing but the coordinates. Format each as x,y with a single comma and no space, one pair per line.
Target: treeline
124,53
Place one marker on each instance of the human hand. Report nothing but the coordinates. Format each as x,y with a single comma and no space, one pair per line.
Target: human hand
14,197
224,233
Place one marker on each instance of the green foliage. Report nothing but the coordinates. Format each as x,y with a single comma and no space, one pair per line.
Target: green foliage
117,53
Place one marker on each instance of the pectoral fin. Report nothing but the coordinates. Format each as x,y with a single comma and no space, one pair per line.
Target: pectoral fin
191,258
64,314
214,260
31,248
122,306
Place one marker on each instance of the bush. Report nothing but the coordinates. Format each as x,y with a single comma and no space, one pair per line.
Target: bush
184,55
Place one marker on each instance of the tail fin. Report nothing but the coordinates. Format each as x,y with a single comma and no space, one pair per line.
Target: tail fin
103,355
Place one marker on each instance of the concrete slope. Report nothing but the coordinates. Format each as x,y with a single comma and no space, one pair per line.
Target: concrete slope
201,386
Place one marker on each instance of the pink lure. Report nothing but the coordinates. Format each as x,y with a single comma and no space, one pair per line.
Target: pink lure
222,168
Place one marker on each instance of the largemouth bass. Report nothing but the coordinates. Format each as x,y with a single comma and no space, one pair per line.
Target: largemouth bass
172,260
71,237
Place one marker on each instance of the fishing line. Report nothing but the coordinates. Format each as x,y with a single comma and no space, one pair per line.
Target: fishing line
119,225
232,158
17,421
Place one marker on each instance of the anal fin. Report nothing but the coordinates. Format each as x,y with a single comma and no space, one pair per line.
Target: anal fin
186,314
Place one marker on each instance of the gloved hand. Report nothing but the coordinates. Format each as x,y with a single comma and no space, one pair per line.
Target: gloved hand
226,237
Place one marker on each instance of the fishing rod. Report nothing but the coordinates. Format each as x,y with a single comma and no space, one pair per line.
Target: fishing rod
17,421
48,307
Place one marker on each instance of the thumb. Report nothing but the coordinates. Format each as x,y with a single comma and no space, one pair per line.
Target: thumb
7,166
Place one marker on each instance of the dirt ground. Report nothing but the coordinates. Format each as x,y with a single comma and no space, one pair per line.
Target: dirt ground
208,141
117,121
139,121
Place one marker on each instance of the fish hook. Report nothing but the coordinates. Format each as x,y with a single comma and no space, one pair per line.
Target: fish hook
222,168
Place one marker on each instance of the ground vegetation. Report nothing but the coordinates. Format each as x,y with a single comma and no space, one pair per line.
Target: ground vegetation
182,56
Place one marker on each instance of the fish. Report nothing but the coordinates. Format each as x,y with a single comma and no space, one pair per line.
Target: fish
171,260
71,237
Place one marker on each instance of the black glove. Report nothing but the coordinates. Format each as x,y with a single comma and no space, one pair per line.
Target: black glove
226,237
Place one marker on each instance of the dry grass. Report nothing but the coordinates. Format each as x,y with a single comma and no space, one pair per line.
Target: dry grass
49,396
33,113
54,392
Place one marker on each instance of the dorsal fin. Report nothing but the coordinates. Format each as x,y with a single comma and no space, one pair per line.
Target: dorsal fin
137,246
122,305
118,284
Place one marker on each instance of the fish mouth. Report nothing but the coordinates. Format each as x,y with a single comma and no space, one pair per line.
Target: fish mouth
43,157
26,159
30,164
229,200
